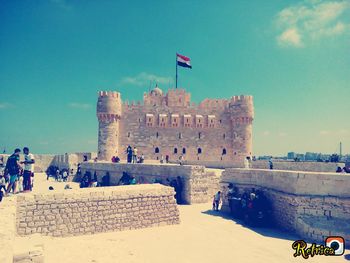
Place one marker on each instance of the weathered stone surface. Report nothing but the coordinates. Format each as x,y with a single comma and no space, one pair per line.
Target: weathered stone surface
199,184
108,205
314,205
216,130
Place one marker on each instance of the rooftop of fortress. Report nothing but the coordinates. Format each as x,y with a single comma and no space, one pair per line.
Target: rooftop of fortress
177,98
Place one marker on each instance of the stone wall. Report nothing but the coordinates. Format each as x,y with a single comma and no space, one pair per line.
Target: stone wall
313,205
199,184
95,210
298,166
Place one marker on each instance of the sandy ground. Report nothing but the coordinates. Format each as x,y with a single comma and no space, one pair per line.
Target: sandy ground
202,236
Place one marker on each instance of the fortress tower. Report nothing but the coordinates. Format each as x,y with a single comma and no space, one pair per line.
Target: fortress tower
109,110
242,114
214,132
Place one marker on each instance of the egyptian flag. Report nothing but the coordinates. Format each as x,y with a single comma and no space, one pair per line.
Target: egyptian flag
183,61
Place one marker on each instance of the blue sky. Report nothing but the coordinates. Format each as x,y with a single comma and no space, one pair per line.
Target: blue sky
292,56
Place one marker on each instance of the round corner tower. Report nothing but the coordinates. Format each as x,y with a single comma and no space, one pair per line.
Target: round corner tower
242,115
109,110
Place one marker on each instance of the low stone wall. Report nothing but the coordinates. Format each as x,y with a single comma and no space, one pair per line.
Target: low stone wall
95,210
298,166
199,185
313,205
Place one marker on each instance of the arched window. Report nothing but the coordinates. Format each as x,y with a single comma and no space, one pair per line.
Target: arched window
224,136
199,151
224,151
156,150
157,134
183,150
128,134
175,150
199,135
180,135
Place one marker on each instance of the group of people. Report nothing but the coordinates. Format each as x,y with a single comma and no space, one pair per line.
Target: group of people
17,176
59,175
89,181
251,206
132,155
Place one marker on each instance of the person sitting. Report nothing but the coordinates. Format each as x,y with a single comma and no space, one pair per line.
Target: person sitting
125,179
132,180
339,170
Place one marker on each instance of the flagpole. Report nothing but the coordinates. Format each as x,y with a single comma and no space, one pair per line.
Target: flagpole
176,73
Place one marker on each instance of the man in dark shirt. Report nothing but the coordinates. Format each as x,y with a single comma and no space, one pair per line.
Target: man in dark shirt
13,168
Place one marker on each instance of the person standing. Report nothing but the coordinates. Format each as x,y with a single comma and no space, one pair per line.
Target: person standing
129,154
271,164
28,169
13,168
134,155
246,162
216,201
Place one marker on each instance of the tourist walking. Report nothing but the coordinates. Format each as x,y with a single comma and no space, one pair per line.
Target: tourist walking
28,169
13,168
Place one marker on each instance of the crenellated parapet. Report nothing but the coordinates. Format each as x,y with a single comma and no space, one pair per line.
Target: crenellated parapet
242,108
109,106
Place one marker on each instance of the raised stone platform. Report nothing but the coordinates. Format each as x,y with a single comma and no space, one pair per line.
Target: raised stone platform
199,184
94,210
301,201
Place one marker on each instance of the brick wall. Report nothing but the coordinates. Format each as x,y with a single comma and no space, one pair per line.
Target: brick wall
313,205
94,210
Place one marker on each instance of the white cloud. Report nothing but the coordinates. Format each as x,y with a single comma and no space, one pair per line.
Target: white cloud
290,37
143,79
311,20
266,133
82,106
5,105
342,132
323,133
282,134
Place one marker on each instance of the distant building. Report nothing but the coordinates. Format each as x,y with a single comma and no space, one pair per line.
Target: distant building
310,156
300,156
291,155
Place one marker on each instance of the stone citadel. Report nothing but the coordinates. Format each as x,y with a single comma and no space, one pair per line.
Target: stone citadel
215,131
